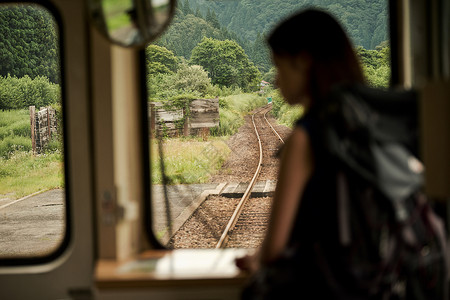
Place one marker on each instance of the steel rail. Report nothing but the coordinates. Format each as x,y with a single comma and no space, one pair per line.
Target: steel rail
273,129
237,212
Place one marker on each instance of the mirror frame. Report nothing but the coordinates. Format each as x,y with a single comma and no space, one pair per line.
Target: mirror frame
97,18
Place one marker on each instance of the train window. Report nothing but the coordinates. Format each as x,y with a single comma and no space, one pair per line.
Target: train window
32,190
210,83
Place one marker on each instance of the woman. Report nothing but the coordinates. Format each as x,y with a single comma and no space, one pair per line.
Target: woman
312,55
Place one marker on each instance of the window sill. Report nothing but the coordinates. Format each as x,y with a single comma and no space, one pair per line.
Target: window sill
177,268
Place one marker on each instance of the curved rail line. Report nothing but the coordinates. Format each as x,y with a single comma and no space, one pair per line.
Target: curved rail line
237,212
273,129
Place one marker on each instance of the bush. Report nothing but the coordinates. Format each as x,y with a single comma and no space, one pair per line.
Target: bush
16,123
289,114
20,93
230,121
11,144
24,173
15,132
282,111
232,111
186,160
21,128
191,79
245,103
53,146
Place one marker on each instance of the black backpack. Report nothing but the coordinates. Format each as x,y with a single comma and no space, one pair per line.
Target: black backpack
391,245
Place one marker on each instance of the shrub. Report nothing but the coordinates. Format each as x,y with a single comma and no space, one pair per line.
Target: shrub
232,111
20,93
192,79
186,160
282,111
230,121
11,144
15,132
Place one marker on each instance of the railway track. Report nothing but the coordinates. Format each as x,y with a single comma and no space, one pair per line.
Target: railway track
211,225
244,217
247,217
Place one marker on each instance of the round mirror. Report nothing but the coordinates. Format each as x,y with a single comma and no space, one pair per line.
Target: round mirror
131,23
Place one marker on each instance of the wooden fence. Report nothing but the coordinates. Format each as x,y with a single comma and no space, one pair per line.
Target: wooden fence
43,125
196,119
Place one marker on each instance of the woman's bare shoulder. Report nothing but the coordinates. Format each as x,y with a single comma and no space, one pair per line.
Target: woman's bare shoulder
298,138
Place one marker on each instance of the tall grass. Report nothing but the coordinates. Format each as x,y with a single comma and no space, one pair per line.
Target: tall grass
230,121
232,110
283,112
21,172
188,160
15,132
191,160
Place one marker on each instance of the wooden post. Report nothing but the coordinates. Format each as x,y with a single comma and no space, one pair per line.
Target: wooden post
204,133
152,120
186,123
49,128
33,127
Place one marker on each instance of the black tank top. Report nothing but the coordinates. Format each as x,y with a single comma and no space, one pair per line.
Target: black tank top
317,207
316,216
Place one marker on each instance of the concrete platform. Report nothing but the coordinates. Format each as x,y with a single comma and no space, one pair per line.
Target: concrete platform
185,199
35,224
261,189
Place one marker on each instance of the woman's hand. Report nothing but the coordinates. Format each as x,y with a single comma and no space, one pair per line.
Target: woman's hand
249,263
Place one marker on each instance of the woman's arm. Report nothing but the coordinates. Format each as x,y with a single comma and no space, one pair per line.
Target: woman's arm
296,167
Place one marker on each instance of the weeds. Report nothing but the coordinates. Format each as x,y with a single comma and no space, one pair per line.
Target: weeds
24,173
15,132
21,172
188,160
283,112
232,111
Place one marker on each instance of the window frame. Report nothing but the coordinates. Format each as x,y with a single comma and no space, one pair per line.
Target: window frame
393,33
147,189
67,237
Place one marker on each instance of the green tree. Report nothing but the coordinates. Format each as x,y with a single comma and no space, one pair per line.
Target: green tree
185,33
270,75
192,79
160,60
187,8
260,54
211,18
226,63
188,80
365,20
28,42
376,65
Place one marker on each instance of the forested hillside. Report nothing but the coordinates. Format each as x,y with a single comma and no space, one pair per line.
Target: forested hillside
365,20
188,29
248,22
28,43
226,40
